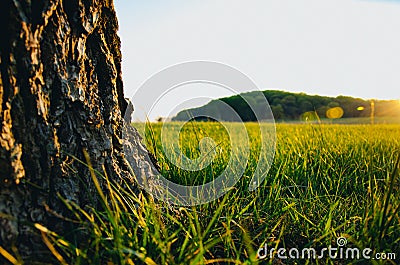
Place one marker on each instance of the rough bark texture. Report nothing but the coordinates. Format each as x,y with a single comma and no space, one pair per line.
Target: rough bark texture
60,91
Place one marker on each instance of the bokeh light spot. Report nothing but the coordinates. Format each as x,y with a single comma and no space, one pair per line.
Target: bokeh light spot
334,113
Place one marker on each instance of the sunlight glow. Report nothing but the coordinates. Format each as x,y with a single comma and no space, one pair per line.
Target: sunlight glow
334,113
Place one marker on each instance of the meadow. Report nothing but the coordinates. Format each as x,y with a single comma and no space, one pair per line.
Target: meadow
325,182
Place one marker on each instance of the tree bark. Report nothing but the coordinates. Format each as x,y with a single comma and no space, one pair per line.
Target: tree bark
60,91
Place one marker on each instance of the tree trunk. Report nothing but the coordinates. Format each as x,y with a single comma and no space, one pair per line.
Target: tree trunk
60,92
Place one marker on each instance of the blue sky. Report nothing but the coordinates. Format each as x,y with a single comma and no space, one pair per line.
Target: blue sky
326,47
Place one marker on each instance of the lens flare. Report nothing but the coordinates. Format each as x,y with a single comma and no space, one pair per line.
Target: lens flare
334,113
309,116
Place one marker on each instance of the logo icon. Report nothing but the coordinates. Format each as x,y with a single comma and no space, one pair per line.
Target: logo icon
341,241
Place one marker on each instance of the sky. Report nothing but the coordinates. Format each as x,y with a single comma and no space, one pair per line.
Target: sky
324,47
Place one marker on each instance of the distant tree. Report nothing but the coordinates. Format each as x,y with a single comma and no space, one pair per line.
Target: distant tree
278,112
305,105
333,104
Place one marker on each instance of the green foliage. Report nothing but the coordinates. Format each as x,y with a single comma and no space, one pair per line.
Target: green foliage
288,106
326,181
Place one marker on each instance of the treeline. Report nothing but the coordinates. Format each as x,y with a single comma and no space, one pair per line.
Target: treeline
290,106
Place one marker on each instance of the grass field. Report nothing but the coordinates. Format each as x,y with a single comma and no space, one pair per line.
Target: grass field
326,181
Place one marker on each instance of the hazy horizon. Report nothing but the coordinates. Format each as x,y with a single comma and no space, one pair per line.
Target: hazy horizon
326,48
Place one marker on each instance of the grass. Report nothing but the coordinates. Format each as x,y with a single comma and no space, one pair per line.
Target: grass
326,181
